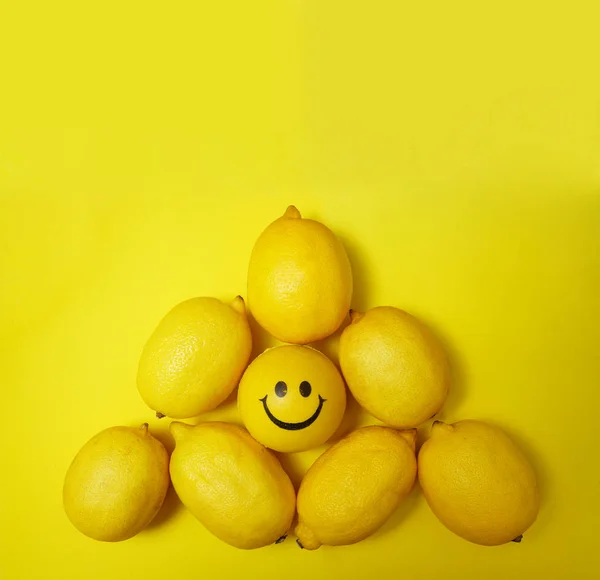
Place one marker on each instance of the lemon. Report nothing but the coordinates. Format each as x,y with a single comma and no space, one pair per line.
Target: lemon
195,357
394,366
354,487
292,398
299,280
234,486
116,483
478,482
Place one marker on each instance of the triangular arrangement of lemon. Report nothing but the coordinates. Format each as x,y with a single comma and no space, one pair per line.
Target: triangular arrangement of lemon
291,398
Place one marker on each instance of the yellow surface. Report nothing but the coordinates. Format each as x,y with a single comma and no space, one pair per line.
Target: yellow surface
454,146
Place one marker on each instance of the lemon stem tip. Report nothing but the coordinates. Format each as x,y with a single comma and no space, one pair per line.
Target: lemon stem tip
441,426
238,304
292,212
177,428
355,316
410,436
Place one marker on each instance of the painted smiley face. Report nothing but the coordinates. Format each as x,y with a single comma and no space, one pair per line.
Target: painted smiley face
291,398
281,391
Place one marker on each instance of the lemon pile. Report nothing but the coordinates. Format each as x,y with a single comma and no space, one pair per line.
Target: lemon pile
292,397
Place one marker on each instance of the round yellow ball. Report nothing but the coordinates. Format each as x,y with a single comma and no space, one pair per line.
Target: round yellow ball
292,398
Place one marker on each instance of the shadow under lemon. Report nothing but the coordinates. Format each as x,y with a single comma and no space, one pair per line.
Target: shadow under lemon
169,509
172,505
362,277
261,339
402,512
458,377
361,299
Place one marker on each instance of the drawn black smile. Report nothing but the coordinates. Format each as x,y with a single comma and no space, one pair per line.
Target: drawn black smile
293,426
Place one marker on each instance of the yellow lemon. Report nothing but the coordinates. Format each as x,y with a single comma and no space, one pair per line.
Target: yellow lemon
116,483
354,487
394,366
299,279
195,357
292,398
478,482
234,486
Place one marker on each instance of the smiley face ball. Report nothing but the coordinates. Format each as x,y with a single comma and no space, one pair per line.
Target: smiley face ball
292,398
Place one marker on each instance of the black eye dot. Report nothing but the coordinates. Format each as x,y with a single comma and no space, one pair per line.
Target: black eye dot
281,389
305,388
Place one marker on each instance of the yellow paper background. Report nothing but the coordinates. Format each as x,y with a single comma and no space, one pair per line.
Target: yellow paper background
455,148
